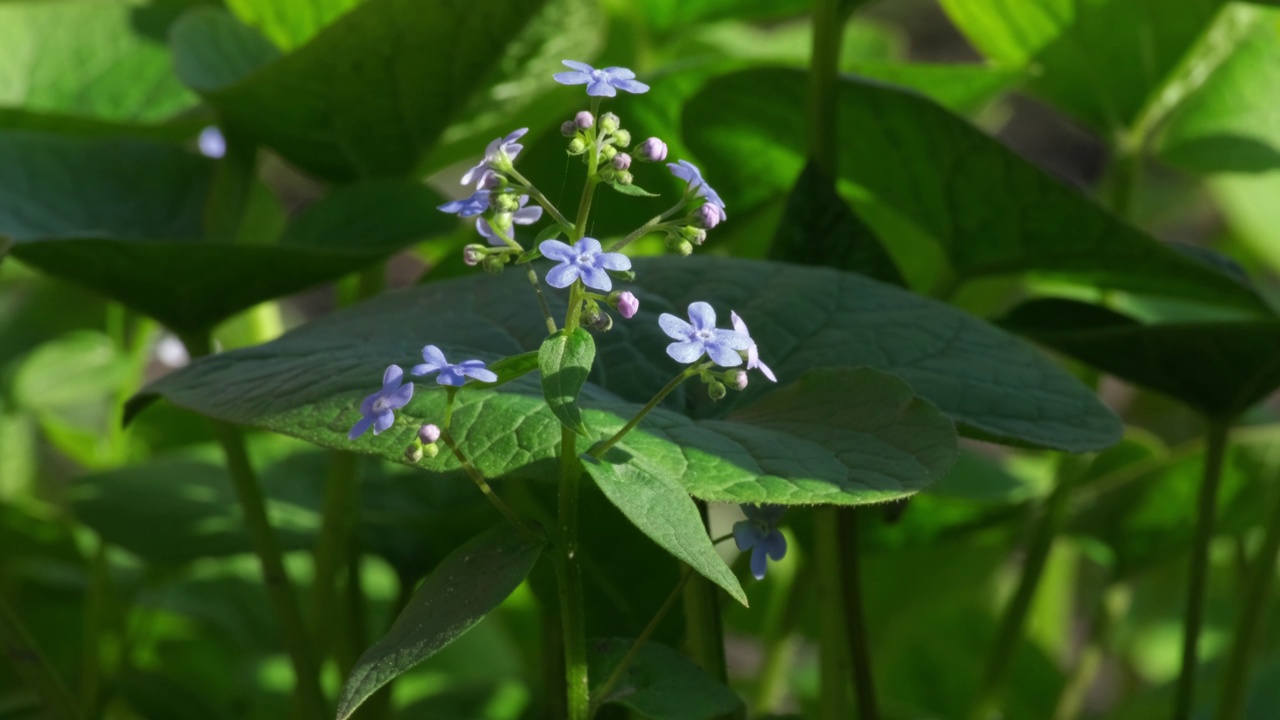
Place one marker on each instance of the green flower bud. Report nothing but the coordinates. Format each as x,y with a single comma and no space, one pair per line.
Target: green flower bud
623,177
413,453
577,146
608,151
505,202
716,390
493,264
622,138
431,450
609,122
695,235
679,245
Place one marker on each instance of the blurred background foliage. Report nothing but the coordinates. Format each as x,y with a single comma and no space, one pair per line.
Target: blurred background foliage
1044,143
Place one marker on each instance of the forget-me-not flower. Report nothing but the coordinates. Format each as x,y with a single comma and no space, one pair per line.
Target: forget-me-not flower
471,206
760,533
451,374
753,352
378,409
522,216
690,173
700,336
497,155
600,83
584,259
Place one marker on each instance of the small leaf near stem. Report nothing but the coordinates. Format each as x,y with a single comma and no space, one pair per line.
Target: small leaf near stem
599,450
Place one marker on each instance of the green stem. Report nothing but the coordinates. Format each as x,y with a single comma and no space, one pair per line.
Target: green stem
94,628
1206,508
1249,623
599,450
1123,177
485,488
593,179
834,665
338,519
704,630
654,223
541,199
864,690
634,651
266,545
1044,529
33,668
1111,606
567,564
777,638
542,300
824,69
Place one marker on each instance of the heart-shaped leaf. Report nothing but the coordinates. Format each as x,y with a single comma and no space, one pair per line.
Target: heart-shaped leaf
992,212
463,588
565,362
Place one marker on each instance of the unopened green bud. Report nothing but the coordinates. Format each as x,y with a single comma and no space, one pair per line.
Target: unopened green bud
679,245
431,450
695,235
622,138
502,221
716,390
608,151
493,264
505,202
413,453
623,177
609,122
577,146
623,275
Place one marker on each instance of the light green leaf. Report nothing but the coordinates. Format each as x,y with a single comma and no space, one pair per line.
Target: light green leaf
992,212
290,23
464,587
564,362
1101,61
91,59
372,92
660,683
962,89
632,190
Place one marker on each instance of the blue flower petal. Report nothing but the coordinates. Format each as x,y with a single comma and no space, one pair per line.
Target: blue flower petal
686,352
758,562
360,427
723,355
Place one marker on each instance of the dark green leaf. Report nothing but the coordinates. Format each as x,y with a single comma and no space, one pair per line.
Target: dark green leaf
632,190
1102,61
464,587
660,683
1219,368
818,228
992,212
370,94
564,361
212,50
125,217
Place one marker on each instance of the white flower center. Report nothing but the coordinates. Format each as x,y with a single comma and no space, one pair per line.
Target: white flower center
380,405
703,334
599,75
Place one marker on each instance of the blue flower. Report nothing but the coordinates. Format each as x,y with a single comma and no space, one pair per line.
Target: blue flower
450,374
753,353
690,173
469,206
702,337
601,83
377,408
211,143
759,533
522,216
584,259
498,155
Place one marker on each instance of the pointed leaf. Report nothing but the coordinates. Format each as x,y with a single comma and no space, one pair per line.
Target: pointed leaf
464,587
660,683
992,212
565,362
632,190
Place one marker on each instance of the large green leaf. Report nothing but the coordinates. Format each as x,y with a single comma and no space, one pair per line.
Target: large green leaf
660,683
125,217
992,212
99,59
1219,368
1101,60
370,94
464,587
290,23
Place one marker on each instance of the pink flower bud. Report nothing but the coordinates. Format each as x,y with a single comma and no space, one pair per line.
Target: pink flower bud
708,216
628,304
652,150
739,380
428,433
568,129
621,161
583,120
472,255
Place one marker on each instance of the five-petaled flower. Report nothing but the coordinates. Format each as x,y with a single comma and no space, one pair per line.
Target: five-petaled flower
753,352
451,374
690,173
600,83
759,533
471,206
498,155
701,336
584,259
522,216
378,408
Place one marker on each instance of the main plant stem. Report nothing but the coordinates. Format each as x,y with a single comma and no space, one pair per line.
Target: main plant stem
864,689
568,568
1045,528
704,630
833,658
593,179
266,545
1250,620
337,520
1111,606
1206,508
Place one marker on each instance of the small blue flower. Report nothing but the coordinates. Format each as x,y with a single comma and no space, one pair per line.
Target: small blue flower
584,259
759,533
211,143
702,337
601,83
522,216
378,408
498,155
753,353
690,173
451,374
468,206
